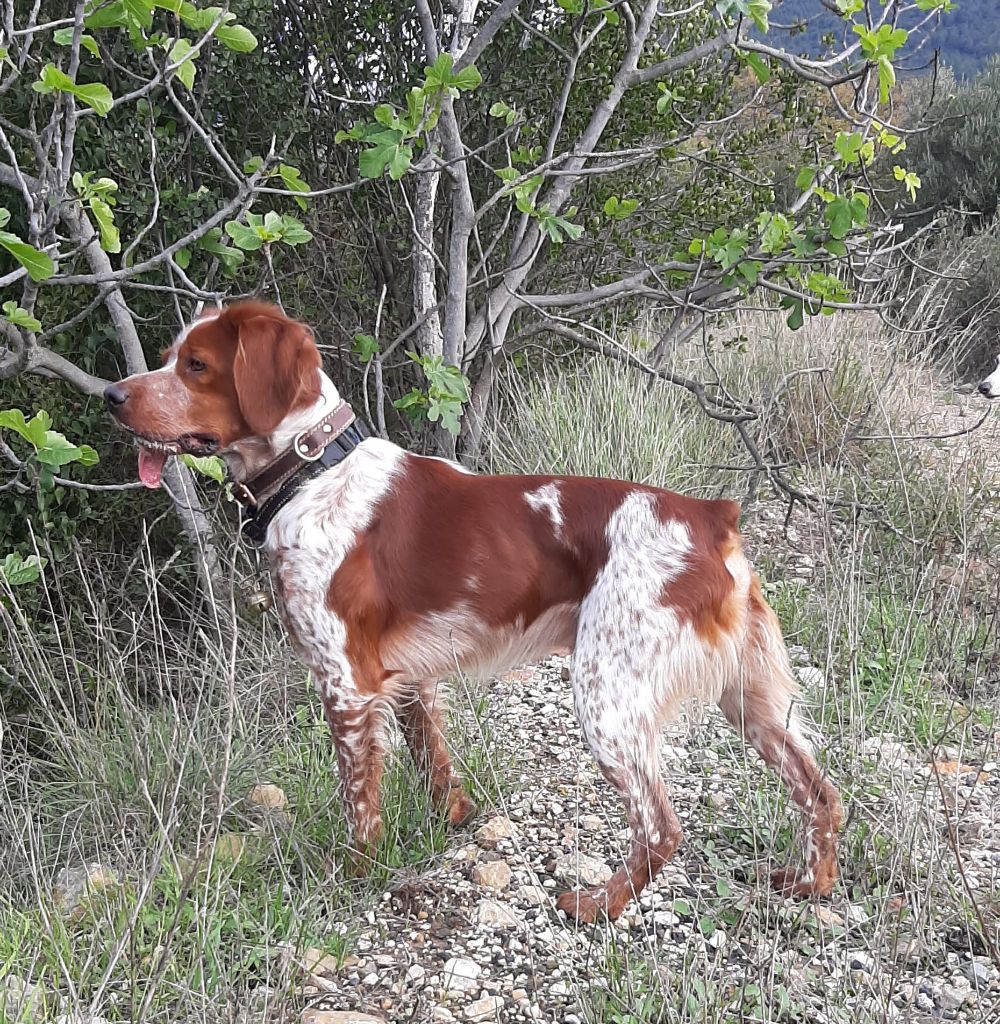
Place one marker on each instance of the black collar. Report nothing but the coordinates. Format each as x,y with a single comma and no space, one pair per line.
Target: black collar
258,514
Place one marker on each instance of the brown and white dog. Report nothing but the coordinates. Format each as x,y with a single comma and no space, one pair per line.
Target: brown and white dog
395,570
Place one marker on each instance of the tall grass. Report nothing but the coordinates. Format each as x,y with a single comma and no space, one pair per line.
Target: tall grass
138,750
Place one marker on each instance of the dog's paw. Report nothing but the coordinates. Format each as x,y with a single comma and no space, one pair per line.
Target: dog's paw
799,884
461,808
582,906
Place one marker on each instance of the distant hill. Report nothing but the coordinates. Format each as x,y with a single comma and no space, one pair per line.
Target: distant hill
966,38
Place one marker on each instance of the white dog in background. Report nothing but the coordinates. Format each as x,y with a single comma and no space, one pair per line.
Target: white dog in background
991,386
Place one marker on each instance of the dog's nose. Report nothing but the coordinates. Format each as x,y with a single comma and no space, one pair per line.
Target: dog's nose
984,388
115,395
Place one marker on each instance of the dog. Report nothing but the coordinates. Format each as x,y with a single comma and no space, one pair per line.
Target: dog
990,387
394,571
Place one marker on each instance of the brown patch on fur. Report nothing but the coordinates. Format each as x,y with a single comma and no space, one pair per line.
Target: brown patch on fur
237,375
704,594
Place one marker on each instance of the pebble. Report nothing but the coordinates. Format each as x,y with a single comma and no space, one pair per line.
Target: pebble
485,1009
492,874
491,914
461,975
589,870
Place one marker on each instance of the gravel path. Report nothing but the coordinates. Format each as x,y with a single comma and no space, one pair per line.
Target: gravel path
476,937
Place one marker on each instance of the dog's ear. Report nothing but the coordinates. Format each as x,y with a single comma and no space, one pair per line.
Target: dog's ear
276,370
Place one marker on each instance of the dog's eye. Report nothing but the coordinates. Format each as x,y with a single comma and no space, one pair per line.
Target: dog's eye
196,365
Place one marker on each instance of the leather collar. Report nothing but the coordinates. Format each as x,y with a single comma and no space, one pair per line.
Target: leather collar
311,453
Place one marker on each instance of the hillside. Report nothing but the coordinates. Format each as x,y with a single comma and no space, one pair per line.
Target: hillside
966,38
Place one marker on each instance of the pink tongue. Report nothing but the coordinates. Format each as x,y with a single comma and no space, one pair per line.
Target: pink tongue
151,467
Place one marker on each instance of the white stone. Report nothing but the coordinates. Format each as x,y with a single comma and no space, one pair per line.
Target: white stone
581,866
461,975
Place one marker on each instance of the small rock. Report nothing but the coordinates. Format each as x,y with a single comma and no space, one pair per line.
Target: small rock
559,988
591,823
267,797
229,847
487,1008
491,914
415,974
494,874
858,960
716,800
75,884
589,870
490,833
442,1013
318,963
810,677
461,975
827,917
533,895
979,975
20,999
339,1017
951,997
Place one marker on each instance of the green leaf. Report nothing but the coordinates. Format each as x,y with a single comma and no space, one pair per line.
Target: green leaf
15,571
37,263
795,317
291,178
245,237
229,257
21,318
140,12
110,238
293,232
57,452
13,419
64,37
759,66
185,67
372,162
468,79
886,78
106,15
399,162
236,38
365,347
96,96
618,209
209,465
805,178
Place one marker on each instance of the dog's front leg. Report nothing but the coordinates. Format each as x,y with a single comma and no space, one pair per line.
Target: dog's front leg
356,723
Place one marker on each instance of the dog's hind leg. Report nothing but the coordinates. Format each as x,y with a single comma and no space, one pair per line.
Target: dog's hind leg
761,705
421,721
623,737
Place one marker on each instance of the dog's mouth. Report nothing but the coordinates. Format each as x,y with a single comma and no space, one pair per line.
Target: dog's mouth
154,452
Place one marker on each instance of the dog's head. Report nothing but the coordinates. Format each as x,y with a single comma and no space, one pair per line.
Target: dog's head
990,387
233,375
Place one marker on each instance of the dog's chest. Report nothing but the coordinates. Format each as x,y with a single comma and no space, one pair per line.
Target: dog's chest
310,538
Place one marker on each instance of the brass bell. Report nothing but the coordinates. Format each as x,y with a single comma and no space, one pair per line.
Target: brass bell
260,601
